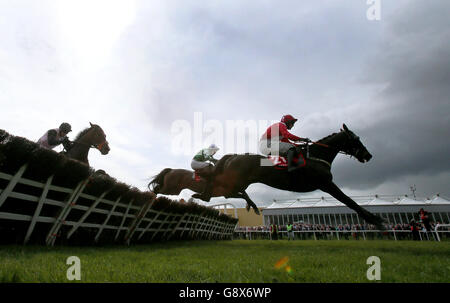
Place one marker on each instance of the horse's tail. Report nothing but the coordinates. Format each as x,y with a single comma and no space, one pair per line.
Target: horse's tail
158,181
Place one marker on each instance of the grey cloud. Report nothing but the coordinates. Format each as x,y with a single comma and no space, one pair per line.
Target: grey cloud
410,135
239,61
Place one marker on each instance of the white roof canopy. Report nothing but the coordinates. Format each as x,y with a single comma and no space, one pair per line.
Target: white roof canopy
365,201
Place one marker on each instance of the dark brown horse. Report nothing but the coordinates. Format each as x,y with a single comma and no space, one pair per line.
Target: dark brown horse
234,173
172,181
93,136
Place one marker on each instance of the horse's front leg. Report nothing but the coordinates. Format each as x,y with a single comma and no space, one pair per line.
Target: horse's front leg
334,191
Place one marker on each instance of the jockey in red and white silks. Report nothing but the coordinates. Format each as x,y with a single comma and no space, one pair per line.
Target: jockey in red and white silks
278,134
277,140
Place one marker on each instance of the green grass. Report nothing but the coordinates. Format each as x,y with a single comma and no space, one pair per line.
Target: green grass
231,261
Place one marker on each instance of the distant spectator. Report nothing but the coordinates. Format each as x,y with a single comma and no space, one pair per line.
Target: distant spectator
274,231
414,230
290,231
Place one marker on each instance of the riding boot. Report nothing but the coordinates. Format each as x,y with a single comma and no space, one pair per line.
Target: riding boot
292,152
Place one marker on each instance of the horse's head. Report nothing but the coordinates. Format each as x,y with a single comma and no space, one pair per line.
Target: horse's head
98,139
354,147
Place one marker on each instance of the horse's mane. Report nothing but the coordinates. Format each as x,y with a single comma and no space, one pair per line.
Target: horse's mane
220,165
327,137
82,133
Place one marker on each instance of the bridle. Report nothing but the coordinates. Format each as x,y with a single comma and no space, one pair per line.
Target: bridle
351,152
98,146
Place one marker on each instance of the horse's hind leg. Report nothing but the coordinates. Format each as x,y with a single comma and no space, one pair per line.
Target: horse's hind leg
250,202
333,190
244,195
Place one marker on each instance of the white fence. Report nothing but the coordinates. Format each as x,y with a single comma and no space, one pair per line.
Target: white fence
436,230
344,234
52,214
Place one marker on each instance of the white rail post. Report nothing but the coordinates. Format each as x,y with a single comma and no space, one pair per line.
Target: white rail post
85,215
205,227
195,224
176,227
12,183
106,220
201,222
220,229
148,225
187,222
38,209
123,221
436,230
160,228
212,230
211,224
139,216
51,236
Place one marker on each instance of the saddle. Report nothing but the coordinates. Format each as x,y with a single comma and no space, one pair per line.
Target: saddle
281,163
195,176
203,173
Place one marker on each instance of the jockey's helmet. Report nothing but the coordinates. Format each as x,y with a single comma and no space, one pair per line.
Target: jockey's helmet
288,118
65,127
213,147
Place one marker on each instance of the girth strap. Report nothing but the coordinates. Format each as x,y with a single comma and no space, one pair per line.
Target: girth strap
320,160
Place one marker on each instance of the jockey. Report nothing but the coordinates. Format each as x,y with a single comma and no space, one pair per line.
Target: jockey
55,137
203,162
278,133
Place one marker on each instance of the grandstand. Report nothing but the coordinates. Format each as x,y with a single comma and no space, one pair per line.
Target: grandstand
327,210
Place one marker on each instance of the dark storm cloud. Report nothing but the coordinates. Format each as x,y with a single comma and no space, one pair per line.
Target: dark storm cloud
411,124
241,61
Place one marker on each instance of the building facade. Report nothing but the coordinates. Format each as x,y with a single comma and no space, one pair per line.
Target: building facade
394,209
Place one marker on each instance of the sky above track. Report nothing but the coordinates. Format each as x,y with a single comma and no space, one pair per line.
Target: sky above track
140,68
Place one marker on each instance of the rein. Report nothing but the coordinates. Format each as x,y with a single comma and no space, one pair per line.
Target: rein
326,146
98,146
330,147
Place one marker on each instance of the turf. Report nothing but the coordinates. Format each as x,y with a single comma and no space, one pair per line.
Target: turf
232,261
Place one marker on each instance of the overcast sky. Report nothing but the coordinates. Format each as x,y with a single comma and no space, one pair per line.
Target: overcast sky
137,68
